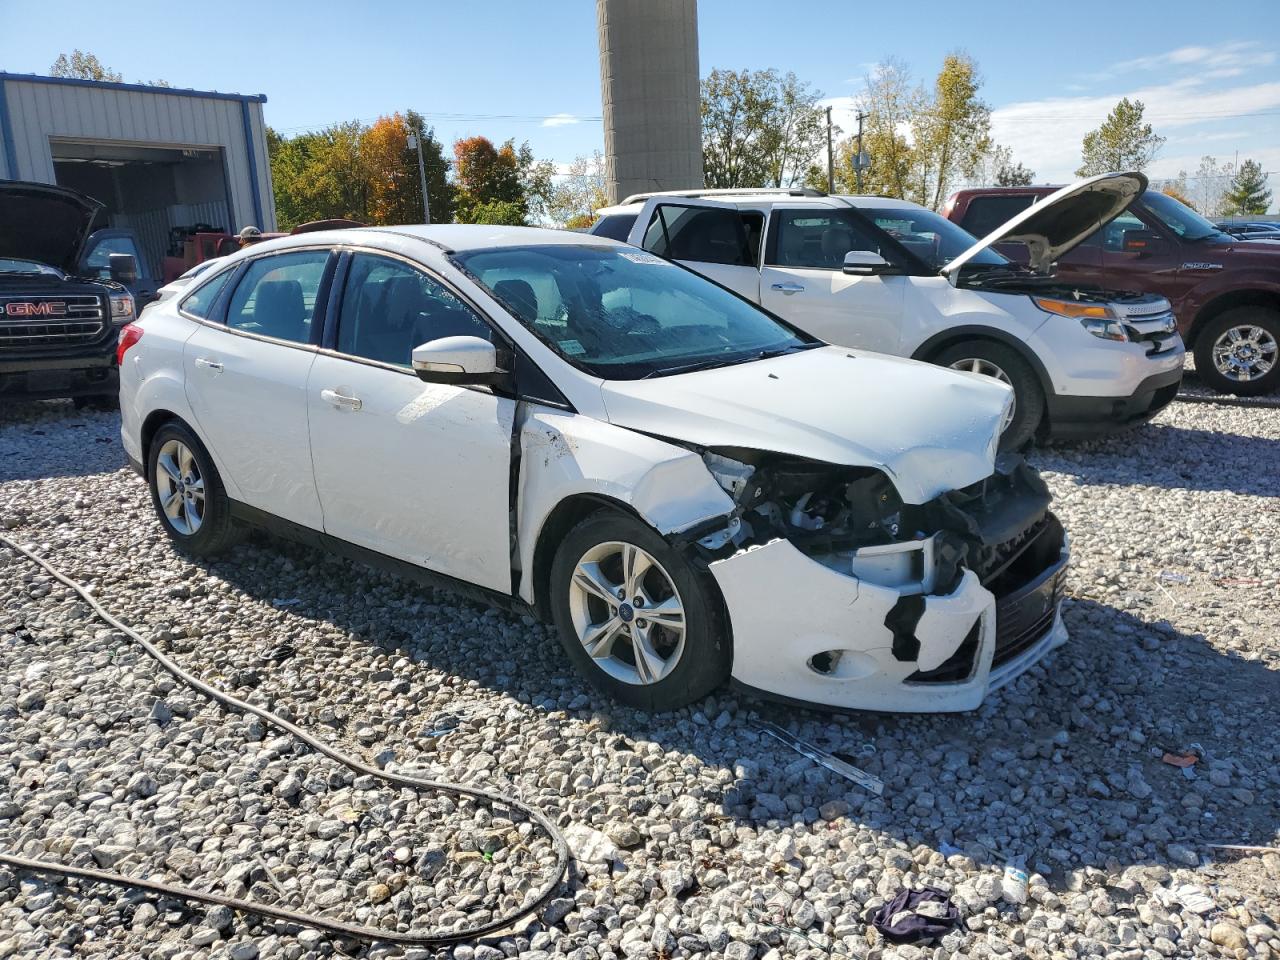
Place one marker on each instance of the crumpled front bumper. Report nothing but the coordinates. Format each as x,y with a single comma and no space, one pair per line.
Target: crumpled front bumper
785,609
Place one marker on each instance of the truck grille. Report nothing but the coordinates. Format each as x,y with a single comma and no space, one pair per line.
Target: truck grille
31,322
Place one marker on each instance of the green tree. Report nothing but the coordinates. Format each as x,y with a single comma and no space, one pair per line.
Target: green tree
1123,142
83,66
1248,193
580,192
759,128
1014,175
952,130
319,175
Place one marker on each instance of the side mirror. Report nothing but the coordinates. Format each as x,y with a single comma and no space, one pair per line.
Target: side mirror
123,268
1142,242
864,263
458,360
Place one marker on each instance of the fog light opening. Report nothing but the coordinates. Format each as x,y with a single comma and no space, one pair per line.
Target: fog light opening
826,662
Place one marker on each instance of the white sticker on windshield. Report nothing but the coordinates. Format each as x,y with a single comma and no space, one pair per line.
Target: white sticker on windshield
573,348
639,256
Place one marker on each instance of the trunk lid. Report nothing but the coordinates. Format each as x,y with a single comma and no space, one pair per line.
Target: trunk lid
45,223
1062,220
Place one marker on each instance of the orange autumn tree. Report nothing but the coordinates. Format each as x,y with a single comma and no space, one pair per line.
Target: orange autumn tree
489,184
384,147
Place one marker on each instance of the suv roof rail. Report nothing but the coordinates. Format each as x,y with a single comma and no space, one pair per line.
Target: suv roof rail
726,192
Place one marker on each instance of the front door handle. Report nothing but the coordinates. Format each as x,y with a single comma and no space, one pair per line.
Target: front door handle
208,364
789,287
341,399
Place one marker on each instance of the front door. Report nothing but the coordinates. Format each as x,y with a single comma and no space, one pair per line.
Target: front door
803,280
417,471
703,235
246,381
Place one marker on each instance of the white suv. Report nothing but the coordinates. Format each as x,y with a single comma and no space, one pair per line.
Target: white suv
894,277
687,487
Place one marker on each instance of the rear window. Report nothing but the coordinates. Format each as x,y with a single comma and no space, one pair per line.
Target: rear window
616,226
986,213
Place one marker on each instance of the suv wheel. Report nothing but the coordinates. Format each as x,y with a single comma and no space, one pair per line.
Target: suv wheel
635,617
1239,351
187,492
1004,364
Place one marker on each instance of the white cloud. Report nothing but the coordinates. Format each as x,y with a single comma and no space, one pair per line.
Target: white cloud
1233,56
560,120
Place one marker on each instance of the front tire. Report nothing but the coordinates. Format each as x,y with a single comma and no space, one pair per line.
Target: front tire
187,493
1238,351
1006,365
636,618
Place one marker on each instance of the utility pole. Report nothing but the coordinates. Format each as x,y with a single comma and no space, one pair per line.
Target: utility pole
831,164
857,157
415,142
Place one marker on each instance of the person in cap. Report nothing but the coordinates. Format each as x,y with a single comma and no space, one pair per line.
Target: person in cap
249,235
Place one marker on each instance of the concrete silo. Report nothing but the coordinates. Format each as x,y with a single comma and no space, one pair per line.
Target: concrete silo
649,85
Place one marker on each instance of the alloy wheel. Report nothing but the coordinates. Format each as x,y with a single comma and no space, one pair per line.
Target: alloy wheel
1245,353
627,613
180,487
989,369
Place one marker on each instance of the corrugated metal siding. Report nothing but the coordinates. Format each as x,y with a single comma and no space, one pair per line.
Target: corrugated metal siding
37,111
152,227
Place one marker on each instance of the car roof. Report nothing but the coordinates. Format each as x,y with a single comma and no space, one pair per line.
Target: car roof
452,237
765,201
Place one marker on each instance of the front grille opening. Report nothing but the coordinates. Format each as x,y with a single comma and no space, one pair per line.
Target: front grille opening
958,667
20,336
1010,565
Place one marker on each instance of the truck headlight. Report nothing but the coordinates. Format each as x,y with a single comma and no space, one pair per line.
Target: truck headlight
1098,318
121,308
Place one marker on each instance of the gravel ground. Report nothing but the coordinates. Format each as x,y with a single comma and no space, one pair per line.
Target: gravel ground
696,834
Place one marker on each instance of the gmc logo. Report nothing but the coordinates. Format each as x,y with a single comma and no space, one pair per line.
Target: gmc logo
50,308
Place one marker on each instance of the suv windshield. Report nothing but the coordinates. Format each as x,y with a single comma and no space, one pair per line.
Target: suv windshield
8,265
931,237
625,314
1178,217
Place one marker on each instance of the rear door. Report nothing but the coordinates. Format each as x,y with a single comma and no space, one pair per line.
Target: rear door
803,279
246,380
703,235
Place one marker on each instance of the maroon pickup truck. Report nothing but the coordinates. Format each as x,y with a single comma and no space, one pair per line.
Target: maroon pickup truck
1225,291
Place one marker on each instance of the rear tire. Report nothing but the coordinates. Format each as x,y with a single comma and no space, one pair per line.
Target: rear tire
667,660
1244,342
187,493
1028,396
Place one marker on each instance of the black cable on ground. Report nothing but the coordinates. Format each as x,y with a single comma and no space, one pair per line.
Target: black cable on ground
1227,401
425,938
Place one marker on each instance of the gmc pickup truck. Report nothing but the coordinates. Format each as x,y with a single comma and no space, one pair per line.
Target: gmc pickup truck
58,326
1225,291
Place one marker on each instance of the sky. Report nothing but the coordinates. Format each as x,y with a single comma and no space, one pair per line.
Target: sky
528,68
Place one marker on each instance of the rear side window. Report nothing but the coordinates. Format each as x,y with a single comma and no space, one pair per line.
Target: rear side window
984,214
701,234
616,226
277,296
200,301
388,308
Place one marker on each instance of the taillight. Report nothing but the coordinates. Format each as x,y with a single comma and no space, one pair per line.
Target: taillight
129,335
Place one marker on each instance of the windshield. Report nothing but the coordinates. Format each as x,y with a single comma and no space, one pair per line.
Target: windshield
8,265
625,314
1178,217
931,237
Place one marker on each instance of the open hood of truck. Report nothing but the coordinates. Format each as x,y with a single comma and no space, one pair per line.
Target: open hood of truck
1062,220
927,428
48,224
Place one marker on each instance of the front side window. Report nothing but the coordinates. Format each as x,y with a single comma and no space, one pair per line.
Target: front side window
1178,217
98,262
820,238
1112,234
700,234
389,307
934,239
277,295
200,301
623,314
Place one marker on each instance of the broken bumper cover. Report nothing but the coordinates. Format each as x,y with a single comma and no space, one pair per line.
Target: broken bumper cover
811,634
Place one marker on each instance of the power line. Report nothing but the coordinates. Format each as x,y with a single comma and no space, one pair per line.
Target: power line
566,119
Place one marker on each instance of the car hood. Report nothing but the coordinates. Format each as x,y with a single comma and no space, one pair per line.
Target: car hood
1062,220
928,428
39,221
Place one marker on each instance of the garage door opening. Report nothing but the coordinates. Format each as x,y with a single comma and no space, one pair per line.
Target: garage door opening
160,193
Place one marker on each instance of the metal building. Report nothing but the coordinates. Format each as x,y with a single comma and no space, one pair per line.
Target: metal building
159,158
649,85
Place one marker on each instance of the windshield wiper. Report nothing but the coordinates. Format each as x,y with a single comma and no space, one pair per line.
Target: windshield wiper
709,363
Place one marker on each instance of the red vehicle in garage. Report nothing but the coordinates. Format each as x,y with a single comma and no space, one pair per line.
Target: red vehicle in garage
1225,291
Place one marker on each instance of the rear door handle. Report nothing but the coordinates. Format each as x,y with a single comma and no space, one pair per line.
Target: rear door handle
208,364
789,287
340,399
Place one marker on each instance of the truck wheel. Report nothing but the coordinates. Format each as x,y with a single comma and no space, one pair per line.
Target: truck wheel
634,615
1238,351
187,492
1004,364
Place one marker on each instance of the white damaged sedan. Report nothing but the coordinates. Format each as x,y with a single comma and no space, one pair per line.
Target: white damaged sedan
689,488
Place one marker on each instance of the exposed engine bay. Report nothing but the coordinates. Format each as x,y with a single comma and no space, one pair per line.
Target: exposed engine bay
1004,280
